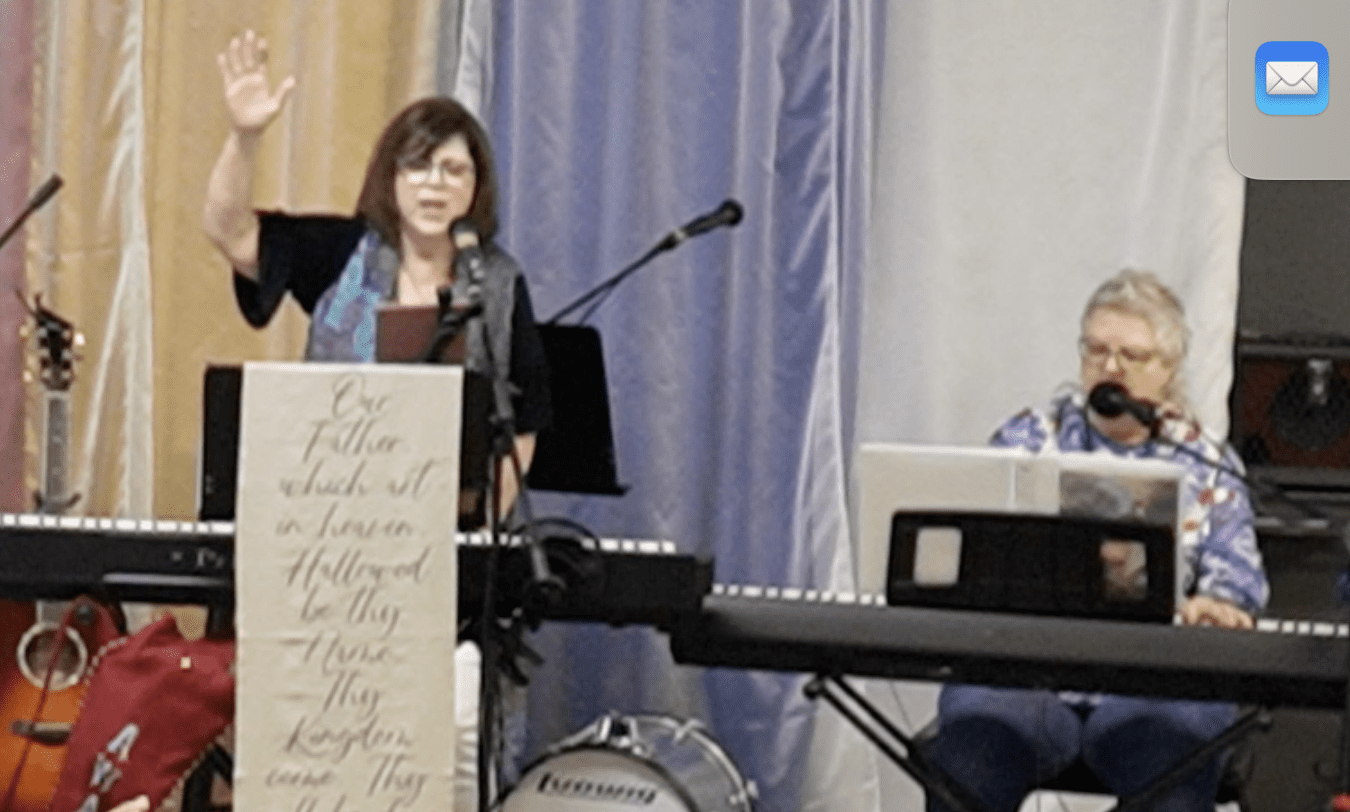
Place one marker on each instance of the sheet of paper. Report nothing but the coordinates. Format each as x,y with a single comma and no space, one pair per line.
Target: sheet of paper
346,587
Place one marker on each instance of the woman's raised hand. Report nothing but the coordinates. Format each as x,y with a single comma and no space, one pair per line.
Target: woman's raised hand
243,68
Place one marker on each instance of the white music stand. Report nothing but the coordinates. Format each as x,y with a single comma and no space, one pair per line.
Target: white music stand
894,477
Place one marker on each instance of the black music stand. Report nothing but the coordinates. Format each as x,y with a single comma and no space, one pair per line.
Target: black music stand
219,473
575,453
1034,563
397,342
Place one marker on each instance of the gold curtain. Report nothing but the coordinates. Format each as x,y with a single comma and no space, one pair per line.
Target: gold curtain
128,109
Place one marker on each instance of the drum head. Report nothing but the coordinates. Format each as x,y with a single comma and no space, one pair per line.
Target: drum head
654,763
594,779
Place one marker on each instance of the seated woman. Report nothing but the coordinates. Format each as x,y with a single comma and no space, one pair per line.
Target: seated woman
1001,743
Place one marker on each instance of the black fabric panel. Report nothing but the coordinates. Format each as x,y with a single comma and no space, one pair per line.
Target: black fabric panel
302,255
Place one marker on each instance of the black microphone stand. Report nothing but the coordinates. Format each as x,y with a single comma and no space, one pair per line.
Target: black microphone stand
450,321
612,282
543,589
728,214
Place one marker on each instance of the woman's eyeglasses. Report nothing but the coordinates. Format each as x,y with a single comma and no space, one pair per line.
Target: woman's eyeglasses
423,173
1098,352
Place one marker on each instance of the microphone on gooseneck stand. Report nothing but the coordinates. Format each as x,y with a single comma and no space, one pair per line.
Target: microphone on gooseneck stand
468,261
500,646
544,589
727,214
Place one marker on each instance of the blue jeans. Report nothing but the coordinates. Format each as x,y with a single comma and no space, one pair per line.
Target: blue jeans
1000,743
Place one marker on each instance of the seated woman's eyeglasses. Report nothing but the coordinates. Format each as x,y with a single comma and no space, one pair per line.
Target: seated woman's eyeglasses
1127,357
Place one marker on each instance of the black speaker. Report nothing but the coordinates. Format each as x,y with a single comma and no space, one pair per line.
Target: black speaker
1291,410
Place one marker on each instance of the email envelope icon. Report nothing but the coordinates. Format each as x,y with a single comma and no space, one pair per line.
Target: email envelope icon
1291,78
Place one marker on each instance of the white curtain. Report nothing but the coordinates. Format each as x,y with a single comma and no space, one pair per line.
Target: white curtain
1025,152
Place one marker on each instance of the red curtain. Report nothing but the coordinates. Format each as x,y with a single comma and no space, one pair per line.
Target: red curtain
16,103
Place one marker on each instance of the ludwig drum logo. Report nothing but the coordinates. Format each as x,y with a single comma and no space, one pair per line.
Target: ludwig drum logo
632,793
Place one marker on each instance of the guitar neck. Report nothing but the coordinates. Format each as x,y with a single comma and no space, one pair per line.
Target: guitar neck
55,496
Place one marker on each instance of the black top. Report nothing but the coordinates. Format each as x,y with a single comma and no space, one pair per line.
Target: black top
305,254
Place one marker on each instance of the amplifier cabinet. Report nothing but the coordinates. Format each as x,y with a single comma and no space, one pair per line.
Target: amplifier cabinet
1291,411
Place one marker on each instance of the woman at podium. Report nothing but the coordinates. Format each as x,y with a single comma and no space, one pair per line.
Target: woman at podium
1001,743
430,172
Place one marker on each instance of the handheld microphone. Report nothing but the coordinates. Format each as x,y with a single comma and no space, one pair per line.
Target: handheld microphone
469,262
462,299
1109,399
727,214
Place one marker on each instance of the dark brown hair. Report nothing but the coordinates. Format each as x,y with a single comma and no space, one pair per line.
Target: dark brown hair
413,135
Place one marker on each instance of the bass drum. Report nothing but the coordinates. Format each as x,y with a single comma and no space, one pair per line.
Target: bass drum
654,763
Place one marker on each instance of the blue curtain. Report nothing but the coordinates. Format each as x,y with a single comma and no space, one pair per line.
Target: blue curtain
730,360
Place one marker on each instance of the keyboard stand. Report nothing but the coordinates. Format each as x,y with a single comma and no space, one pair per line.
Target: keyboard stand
876,727
1246,724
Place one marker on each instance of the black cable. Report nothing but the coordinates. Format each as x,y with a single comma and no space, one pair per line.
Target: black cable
1256,484
1155,433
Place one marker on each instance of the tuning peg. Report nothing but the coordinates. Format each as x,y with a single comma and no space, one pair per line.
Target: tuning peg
25,331
79,339
28,376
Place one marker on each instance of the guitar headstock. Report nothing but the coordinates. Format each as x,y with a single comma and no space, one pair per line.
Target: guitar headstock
57,341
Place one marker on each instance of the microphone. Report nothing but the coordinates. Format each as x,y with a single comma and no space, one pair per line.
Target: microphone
39,199
727,214
463,299
1110,399
469,262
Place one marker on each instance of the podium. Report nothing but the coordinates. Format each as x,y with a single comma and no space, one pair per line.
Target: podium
575,454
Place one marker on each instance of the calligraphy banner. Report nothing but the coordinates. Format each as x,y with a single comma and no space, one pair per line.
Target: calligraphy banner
346,582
